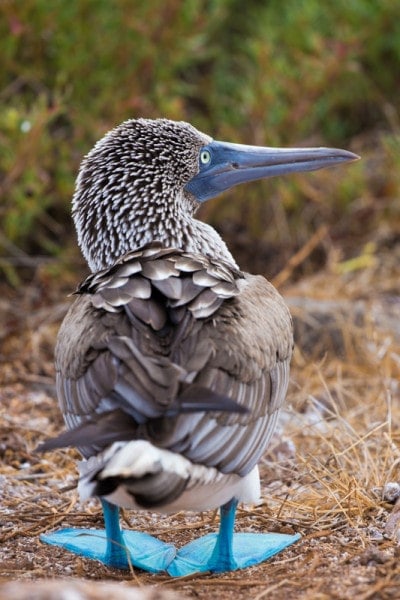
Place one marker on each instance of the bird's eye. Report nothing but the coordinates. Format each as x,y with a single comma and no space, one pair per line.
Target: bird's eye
205,157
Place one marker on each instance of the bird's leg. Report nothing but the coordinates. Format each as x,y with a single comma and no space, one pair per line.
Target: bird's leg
116,552
114,547
226,550
222,558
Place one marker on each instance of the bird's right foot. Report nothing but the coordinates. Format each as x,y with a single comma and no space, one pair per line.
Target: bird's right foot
134,548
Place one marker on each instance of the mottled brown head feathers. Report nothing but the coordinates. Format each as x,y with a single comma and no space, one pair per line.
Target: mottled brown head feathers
130,191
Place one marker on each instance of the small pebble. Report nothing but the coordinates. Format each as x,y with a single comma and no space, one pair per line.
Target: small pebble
391,491
375,534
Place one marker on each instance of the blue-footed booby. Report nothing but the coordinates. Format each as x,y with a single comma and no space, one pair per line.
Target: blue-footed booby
172,364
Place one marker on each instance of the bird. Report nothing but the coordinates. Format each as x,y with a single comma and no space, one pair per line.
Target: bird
172,364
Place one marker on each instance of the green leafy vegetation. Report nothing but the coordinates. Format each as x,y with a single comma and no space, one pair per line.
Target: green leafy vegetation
295,73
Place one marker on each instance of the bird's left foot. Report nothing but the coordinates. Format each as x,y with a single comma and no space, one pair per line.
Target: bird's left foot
247,549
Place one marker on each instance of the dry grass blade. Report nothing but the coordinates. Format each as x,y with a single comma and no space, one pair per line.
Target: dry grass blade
300,256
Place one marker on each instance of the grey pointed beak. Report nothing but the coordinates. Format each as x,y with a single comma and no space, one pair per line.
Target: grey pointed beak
231,164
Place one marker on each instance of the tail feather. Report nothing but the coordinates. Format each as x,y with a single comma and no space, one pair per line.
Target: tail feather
118,426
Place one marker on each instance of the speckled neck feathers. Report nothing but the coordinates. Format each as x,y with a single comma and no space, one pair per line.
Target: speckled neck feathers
130,192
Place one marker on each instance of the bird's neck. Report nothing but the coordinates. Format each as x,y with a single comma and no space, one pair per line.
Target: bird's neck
201,238
101,248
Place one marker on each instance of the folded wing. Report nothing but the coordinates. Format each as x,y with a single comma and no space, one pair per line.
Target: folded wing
177,350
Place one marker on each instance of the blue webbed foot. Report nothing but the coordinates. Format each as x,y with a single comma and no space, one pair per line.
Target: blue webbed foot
137,549
247,549
113,547
226,551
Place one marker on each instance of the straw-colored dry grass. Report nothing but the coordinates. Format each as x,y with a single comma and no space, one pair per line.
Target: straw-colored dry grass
325,475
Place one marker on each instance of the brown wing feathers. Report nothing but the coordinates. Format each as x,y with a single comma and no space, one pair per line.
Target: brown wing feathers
177,349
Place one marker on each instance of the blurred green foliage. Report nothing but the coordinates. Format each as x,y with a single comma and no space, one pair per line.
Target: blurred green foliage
264,72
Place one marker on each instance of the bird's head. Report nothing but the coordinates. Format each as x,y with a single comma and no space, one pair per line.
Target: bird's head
143,181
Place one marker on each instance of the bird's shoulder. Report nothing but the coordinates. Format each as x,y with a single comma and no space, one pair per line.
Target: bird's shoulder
259,324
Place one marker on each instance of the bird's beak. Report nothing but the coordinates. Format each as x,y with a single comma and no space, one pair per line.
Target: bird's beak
226,165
